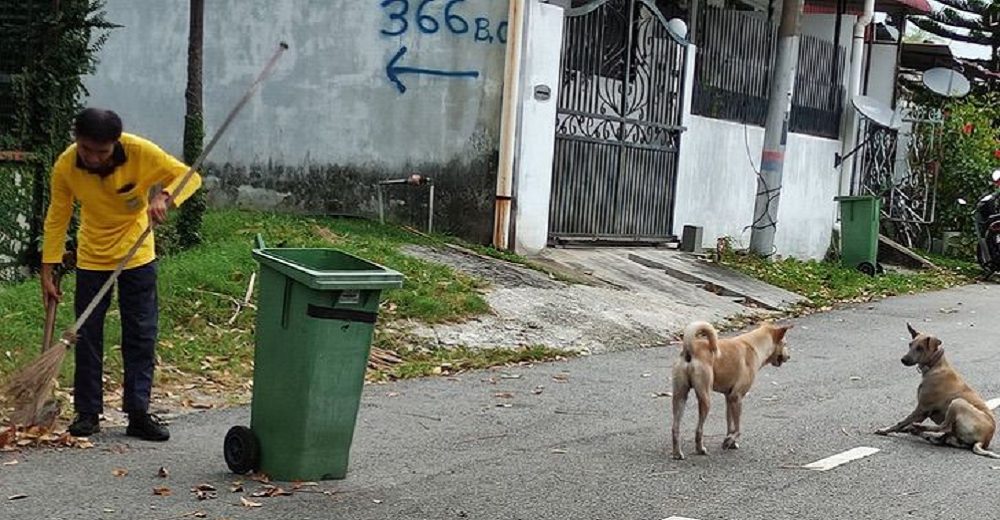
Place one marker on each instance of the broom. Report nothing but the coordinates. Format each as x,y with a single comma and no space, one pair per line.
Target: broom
29,388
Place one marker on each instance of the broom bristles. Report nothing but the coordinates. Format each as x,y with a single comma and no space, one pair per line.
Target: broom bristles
29,388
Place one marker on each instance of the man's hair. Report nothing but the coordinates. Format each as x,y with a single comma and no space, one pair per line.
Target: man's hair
97,124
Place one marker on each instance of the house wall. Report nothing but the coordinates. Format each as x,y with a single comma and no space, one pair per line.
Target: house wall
881,73
330,122
717,184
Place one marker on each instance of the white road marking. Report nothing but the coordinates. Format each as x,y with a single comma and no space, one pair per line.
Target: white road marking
841,458
993,403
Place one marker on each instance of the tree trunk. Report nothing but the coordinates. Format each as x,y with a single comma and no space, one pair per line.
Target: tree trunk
189,223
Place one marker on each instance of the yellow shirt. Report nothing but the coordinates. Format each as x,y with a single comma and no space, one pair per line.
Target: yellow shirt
113,209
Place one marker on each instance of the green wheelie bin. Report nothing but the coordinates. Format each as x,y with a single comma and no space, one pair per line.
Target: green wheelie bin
316,315
859,230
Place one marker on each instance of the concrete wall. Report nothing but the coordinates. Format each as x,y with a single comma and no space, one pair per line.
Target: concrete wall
881,72
716,186
331,121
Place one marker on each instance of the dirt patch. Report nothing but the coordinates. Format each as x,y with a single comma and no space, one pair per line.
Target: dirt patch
530,308
497,272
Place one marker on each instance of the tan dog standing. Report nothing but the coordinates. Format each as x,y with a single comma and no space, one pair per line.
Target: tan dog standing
962,417
728,366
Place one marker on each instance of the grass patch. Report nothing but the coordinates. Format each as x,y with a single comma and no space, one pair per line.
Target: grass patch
827,283
197,289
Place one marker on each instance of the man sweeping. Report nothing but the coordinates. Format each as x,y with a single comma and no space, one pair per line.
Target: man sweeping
122,183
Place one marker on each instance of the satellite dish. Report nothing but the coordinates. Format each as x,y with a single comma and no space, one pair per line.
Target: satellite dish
877,112
946,82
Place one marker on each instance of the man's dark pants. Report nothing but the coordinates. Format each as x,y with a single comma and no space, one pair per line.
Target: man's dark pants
137,302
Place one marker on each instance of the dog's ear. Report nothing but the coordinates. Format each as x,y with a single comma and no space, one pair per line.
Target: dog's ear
913,333
781,330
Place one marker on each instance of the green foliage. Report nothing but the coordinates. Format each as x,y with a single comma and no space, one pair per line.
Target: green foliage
969,147
59,47
828,283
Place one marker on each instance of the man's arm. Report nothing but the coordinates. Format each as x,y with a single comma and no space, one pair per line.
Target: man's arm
54,237
168,172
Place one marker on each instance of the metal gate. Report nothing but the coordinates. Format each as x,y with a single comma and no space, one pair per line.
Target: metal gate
617,125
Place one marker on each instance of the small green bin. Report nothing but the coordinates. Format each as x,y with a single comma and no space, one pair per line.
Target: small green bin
315,320
859,230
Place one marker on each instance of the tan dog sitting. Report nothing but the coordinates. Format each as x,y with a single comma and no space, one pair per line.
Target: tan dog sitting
962,417
727,366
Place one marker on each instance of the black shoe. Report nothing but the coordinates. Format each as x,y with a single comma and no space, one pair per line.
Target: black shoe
85,425
146,427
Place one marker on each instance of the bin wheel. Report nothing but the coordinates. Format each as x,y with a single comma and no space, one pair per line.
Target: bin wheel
867,268
241,449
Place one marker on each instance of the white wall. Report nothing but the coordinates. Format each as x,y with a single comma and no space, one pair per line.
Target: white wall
330,99
536,139
716,186
881,73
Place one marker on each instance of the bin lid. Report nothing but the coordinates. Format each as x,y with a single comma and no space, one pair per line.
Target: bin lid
328,269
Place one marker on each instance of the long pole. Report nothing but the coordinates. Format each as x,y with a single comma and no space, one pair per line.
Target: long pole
772,164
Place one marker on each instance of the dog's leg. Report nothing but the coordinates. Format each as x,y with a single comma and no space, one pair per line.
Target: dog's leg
704,400
679,401
734,407
936,437
918,415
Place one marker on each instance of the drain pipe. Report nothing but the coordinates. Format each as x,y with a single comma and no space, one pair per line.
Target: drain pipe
853,89
508,126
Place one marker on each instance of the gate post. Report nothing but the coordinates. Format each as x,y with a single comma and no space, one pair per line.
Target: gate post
535,146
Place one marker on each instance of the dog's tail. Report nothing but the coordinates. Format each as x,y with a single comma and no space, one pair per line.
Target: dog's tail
692,331
978,449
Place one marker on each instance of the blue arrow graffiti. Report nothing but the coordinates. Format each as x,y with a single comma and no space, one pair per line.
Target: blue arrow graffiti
393,71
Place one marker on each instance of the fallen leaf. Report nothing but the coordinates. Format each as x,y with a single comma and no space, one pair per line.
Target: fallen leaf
646,375
163,473
204,487
504,405
162,491
538,389
263,478
510,376
558,451
11,463
560,378
392,394
106,510
119,472
503,395
17,497
200,514
298,485
377,501
663,394
855,378
271,491
248,503
237,487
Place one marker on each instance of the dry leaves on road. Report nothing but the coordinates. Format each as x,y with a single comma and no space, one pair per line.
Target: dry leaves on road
119,472
163,473
162,491
205,492
249,503
14,439
270,491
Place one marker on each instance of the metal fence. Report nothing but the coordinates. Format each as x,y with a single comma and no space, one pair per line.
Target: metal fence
736,52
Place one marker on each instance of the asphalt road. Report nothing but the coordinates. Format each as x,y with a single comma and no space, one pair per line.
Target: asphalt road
594,443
